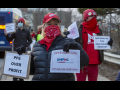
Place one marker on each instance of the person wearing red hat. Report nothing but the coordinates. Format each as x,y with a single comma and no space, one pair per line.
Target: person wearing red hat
87,31
53,40
22,39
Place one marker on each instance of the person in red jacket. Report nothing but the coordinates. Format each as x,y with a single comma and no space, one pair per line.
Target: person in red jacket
87,31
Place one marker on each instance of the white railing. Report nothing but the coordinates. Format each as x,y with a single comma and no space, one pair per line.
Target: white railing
112,58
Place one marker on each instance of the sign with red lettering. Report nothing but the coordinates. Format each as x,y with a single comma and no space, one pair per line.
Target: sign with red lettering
65,62
16,65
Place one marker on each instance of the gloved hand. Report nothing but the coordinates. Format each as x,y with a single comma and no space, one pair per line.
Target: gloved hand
20,50
110,42
69,45
66,33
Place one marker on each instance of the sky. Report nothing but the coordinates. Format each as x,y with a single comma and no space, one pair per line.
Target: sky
74,11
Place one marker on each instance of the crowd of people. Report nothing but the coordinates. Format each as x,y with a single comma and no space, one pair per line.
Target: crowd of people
49,37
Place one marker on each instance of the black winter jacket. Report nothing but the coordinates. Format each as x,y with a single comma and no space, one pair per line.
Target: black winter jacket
21,37
40,61
80,41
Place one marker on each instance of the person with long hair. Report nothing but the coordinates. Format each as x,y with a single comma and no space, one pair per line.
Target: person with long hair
52,40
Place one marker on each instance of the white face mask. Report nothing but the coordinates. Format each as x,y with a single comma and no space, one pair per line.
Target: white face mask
20,24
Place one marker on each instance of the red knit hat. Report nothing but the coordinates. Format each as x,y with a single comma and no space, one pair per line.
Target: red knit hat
21,19
88,12
50,16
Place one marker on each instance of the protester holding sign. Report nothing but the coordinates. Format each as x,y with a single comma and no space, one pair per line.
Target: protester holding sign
22,38
87,31
42,50
38,36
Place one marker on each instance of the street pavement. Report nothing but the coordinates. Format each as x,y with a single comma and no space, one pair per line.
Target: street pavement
7,78
1,66
1,63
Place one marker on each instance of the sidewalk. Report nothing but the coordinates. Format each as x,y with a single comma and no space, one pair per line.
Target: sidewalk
7,78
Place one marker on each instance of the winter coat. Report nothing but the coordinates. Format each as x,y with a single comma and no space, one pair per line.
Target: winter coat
21,37
40,61
80,40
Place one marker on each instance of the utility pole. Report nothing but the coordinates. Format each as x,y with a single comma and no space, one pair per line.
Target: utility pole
110,25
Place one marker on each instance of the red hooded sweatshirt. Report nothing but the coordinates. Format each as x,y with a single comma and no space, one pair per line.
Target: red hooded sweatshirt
90,29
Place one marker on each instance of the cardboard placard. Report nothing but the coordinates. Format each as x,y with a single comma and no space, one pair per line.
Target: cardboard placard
16,65
10,28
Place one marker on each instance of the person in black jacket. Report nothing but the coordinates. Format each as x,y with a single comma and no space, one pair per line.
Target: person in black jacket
53,40
22,39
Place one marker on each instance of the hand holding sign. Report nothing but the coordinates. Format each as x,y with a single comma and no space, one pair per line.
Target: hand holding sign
101,42
20,50
5,32
110,42
69,45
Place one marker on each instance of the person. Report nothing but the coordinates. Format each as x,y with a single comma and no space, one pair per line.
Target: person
33,34
118,77
38,36
53,40
87,31
39,28
22,39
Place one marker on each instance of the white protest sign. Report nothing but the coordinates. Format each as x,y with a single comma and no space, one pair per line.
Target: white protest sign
73,31
62,62
16,65
100,42
10,28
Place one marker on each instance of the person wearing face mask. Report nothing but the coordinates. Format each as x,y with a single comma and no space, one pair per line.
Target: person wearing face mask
87,30
22,39
38,36
52,40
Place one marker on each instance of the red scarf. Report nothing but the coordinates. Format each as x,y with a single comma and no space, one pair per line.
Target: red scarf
51,32
91,26
33,35
39,31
